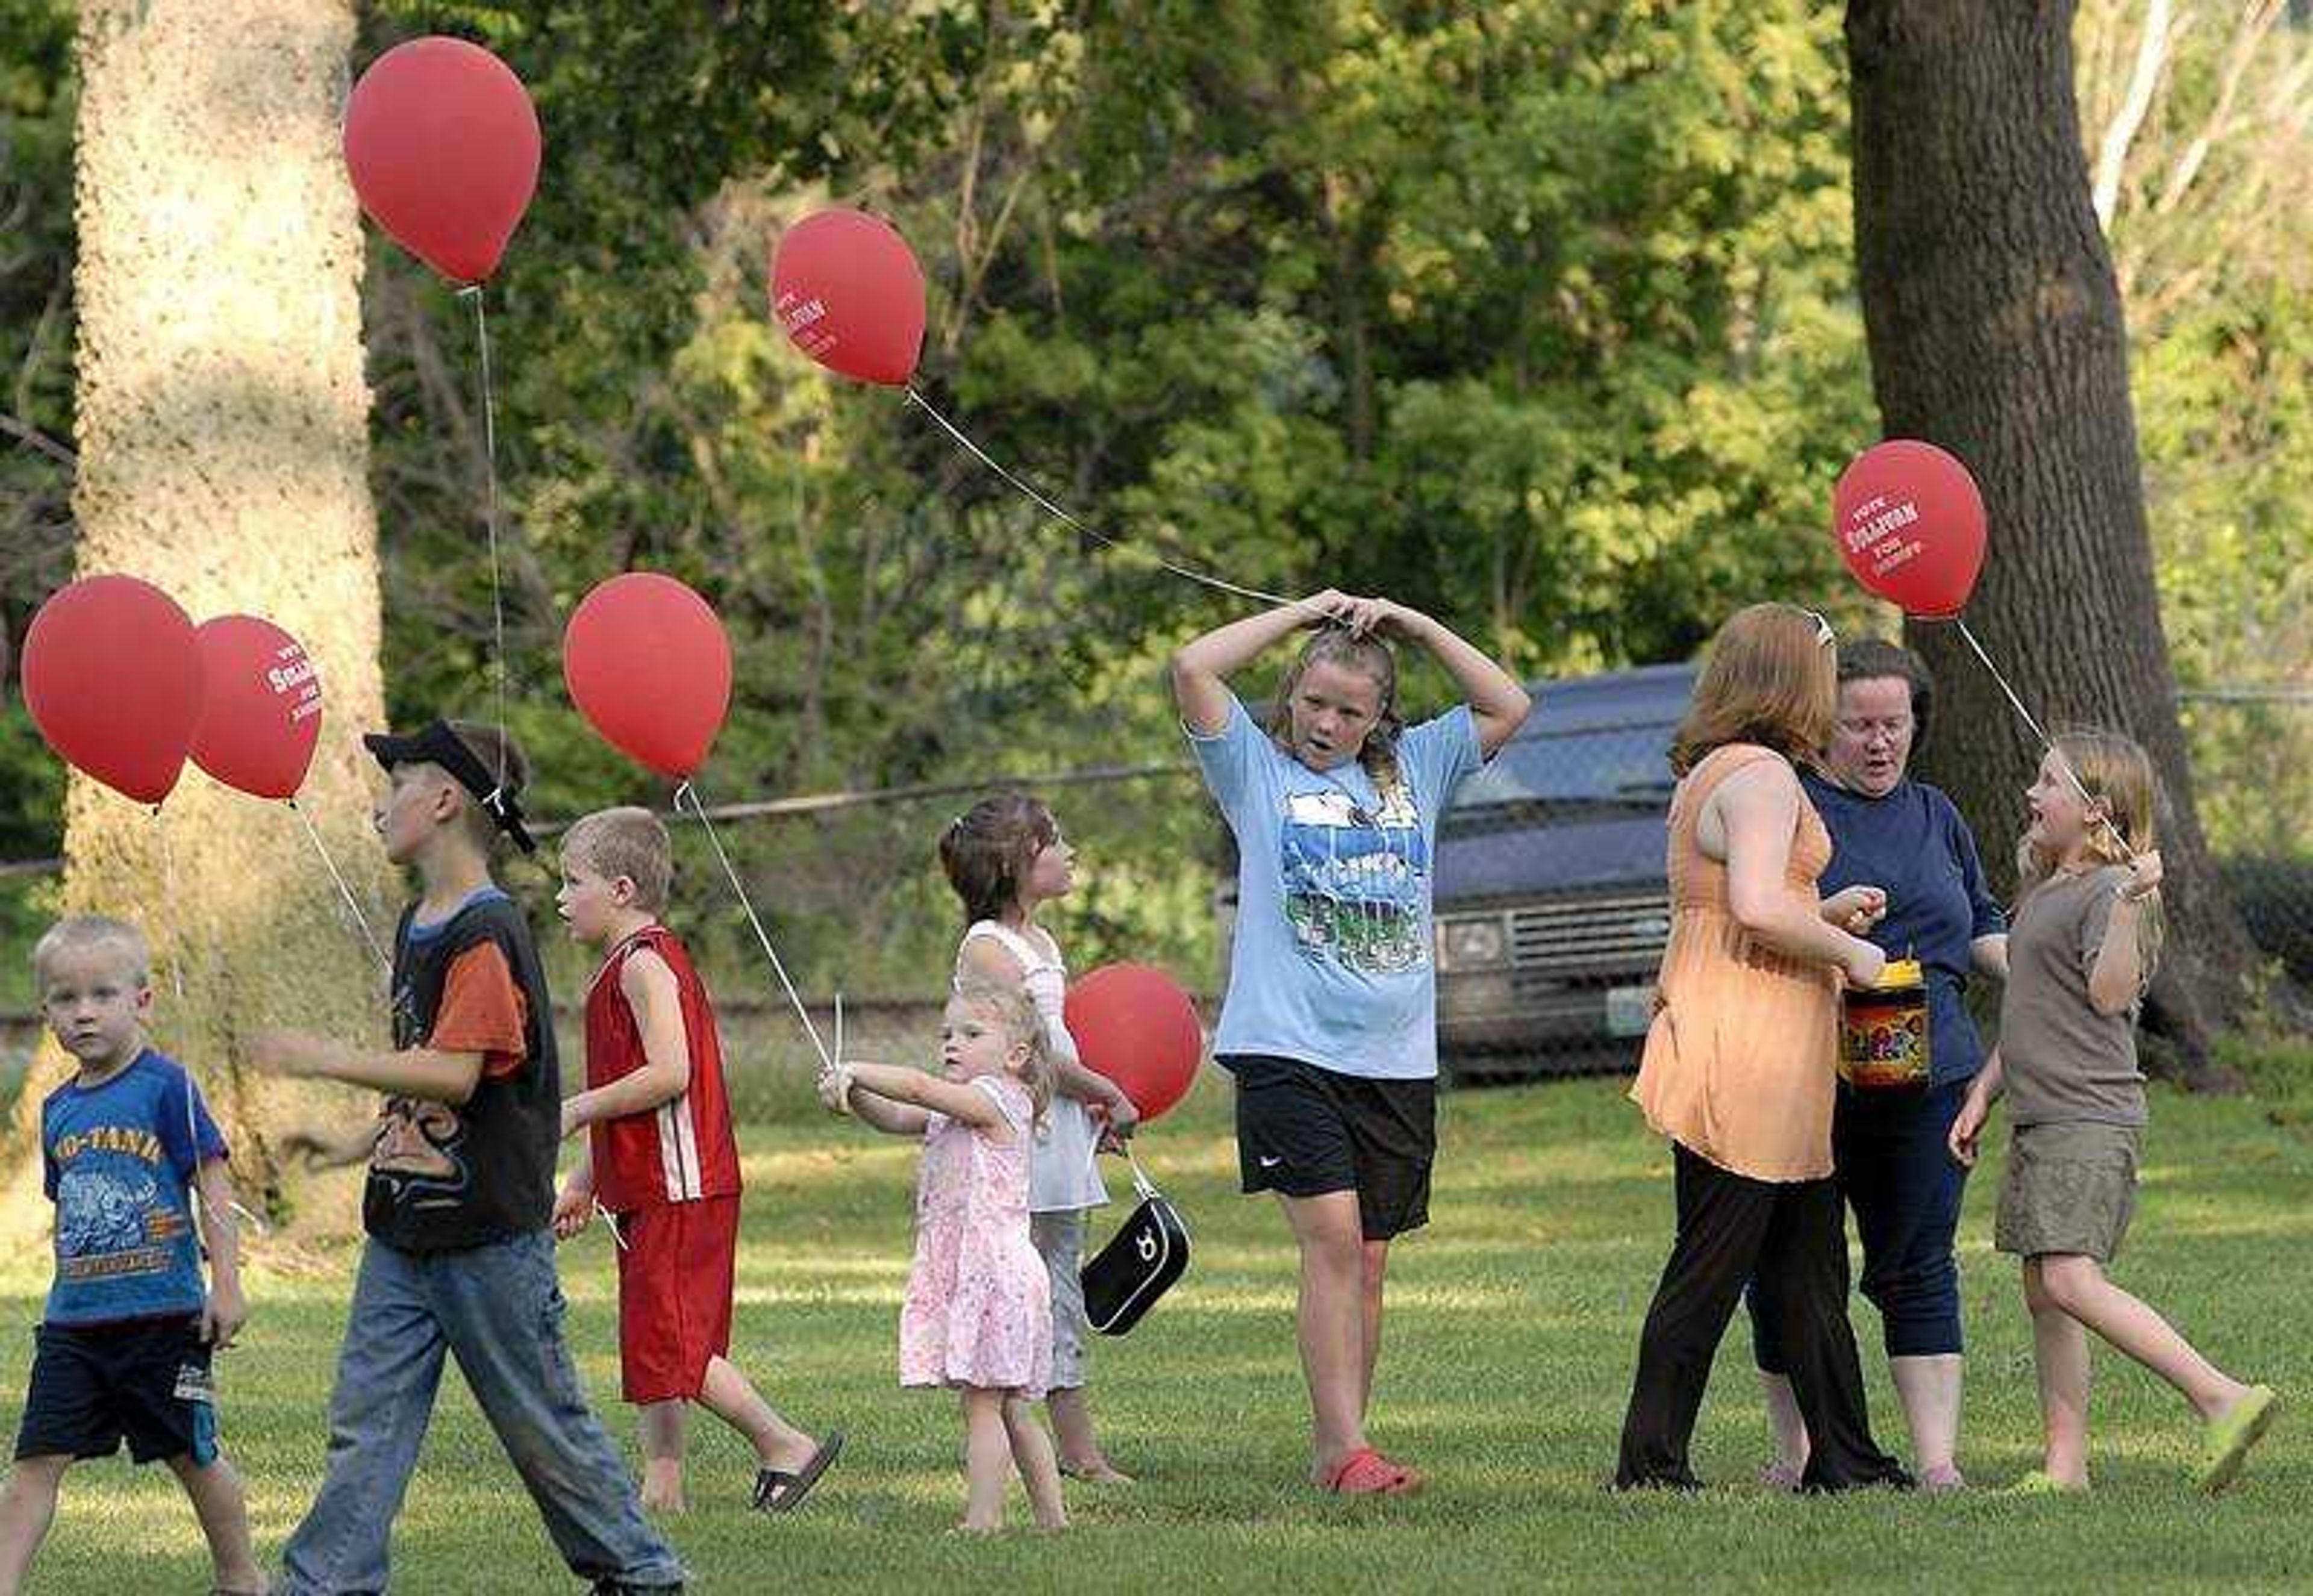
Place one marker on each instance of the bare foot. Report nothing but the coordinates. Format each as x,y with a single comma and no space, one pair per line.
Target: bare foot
791,1458
1096,1471
665,1499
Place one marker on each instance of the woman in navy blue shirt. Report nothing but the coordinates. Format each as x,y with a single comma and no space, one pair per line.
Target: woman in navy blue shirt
1890,832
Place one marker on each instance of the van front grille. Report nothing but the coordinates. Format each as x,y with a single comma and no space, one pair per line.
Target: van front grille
1590,935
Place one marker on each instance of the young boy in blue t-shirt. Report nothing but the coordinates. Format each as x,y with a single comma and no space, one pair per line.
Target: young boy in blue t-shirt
125,1341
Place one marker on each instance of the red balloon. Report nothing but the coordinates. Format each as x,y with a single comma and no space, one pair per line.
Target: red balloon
1910,524
647,662
260,706
1135,1025
848,289
442,143
112,676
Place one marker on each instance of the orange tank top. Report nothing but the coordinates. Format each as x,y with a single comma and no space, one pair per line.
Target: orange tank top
1740,1061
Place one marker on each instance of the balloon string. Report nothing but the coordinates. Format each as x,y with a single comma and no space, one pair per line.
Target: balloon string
169,885
473,291
2096,812
353,907
2002,681
177,983
1070,521
762,936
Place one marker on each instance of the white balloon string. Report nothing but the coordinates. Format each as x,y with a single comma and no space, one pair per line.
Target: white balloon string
2095,810
699,809
169,885
473,291
353,907
177,984
1073,524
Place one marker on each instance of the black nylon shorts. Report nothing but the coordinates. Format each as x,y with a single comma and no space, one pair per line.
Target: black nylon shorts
1302,1131
145,1381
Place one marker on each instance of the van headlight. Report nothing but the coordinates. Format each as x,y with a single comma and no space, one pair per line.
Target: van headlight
1472,941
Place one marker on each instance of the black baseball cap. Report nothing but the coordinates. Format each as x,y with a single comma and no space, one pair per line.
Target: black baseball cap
438,744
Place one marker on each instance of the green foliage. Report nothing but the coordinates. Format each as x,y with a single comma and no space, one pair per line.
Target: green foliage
36,397
1538,319
1537,315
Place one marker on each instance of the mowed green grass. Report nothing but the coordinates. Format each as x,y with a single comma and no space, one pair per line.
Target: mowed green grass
1513,1322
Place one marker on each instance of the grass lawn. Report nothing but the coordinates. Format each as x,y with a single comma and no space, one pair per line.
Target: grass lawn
1514,1319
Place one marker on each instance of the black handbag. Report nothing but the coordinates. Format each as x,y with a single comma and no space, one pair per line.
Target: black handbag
1148,1252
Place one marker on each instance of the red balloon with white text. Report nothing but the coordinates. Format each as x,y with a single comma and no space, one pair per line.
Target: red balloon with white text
1910,524
847,290
260,706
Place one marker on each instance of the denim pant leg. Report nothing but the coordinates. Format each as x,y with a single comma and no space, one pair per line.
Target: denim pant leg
502,1309
388,1371
1905,1188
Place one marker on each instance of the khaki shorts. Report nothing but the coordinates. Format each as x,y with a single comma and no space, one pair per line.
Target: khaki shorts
2070,1188
1058,1236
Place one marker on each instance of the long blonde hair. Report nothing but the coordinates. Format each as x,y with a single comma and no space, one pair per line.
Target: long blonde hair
1367,656
1016,1016
2117,776
1772,678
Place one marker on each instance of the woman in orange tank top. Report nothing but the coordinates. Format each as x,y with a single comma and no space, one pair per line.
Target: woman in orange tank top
1738,1068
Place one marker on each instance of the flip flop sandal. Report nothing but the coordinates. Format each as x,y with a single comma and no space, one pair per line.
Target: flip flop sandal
2231,1437
1365,1472
779,1491
1114,1477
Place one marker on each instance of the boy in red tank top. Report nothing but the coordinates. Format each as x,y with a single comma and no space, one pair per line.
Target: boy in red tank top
661,1162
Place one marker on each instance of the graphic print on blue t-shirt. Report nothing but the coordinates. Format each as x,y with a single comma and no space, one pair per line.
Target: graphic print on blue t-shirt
1330,963
118,1162
1354,880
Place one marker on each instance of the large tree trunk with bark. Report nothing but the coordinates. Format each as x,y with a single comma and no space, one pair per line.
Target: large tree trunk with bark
223,416
1995,329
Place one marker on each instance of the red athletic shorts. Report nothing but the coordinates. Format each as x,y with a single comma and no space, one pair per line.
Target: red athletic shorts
675,1295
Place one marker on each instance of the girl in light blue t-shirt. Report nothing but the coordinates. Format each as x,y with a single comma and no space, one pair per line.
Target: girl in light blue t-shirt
1330,1024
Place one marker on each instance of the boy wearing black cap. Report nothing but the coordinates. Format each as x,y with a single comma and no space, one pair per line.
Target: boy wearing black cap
460,1258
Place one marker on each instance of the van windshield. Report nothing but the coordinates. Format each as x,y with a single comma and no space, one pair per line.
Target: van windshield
1624,767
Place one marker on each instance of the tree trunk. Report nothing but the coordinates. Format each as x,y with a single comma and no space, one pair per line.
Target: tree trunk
1995,329
223,417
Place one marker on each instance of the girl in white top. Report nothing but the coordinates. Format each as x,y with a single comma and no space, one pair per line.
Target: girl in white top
1005,858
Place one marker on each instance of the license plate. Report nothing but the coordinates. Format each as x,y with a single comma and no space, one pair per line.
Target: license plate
1630,1010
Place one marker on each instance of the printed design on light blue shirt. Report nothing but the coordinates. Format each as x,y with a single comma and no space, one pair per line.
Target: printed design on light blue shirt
1355,883
109,1225
118,1162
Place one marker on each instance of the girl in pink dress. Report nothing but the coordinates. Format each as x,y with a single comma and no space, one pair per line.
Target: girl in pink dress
977,1316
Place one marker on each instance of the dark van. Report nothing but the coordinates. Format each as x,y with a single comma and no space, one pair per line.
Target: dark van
1552,906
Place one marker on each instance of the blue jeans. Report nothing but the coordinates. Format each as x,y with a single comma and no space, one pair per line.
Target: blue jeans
497,1309
1896,1171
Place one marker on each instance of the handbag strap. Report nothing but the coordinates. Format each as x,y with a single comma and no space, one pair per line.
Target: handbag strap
1141,1185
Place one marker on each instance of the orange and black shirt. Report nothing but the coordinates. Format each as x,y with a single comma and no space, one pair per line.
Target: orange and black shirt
443,1177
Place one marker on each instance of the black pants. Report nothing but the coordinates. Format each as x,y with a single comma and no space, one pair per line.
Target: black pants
1789,1238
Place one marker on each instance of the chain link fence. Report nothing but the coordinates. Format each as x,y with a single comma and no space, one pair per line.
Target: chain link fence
2252,781
1551,910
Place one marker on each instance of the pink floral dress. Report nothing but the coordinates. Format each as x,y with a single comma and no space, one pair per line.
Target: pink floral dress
978,1308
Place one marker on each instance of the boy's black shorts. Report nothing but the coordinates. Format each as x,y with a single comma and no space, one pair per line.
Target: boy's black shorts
1302,1131
147,1380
